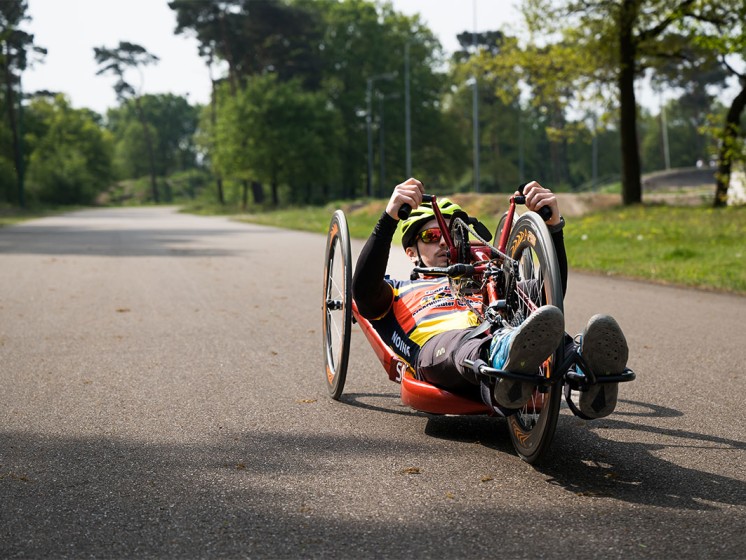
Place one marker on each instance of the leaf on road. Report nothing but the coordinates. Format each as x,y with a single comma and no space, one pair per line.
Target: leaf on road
123,309
412,470
306,401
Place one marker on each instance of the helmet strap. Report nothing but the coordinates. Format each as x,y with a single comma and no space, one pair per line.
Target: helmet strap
416,275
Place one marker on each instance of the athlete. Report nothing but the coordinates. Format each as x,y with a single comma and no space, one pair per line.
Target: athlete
434,332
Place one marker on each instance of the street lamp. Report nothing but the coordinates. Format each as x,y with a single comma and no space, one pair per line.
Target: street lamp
381,143
368,122
475,127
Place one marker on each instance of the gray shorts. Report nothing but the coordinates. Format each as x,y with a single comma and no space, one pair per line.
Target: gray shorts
440,359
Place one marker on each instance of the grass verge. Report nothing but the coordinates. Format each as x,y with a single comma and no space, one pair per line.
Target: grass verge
697,247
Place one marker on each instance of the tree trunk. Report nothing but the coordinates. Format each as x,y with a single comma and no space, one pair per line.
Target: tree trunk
149,146
725,155
631,185
219,186
274,188
244,195
213,120
10,106
258,192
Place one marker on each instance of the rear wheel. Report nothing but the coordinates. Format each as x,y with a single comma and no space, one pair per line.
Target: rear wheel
337,304
536,283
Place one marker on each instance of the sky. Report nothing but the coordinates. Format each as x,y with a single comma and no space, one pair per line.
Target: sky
70,29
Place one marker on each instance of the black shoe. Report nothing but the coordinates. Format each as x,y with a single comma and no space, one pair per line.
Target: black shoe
604,349
523,350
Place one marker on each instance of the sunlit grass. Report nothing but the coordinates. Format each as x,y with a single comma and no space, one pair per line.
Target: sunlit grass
689,246
699,247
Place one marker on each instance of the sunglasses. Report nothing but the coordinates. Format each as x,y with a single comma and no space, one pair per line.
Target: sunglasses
430,235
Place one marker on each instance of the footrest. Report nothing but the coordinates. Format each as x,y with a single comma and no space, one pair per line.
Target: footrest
480,368
582,379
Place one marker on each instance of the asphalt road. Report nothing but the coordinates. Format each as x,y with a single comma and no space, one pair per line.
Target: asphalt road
162,395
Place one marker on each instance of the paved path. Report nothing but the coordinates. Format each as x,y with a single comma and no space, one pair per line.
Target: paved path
161,395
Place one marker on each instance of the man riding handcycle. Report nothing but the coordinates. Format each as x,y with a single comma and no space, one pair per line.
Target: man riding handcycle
512,356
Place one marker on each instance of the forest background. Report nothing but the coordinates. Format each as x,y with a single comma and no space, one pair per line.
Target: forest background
321,100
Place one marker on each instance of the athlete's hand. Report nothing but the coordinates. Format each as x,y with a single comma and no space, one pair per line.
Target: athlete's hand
537,197
409,192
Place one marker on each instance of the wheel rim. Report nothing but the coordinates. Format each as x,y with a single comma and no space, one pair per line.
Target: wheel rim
334,309
532,428
337,305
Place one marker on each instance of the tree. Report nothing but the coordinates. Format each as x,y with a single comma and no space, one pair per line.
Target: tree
172,122
613,43
255,37
277,133
16,46
71,158
724,34
129,56
363,40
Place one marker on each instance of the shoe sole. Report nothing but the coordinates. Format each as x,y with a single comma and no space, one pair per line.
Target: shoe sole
605,350
537,338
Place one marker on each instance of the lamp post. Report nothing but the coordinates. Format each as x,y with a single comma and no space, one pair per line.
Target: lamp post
368,123
407,114
19,163
475,127
475,103
381,143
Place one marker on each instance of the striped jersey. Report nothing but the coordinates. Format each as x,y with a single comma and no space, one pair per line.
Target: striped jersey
421,309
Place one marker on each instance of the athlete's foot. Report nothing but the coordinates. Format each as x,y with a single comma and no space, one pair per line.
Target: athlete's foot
604,349
523,350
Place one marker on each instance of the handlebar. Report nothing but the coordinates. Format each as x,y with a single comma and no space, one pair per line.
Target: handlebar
453,271
405,209
545,212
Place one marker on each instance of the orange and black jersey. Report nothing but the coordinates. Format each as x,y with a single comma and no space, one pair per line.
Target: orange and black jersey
408,313
419,310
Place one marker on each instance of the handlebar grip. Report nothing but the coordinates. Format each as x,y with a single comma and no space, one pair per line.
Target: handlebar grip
545,212
405,209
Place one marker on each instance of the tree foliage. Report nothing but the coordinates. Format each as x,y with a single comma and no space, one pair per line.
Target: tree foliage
172,123
17,50
117,61
606,44
71,154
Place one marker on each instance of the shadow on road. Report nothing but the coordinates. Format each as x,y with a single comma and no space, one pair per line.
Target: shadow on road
63,240
586,463
637,465
286,495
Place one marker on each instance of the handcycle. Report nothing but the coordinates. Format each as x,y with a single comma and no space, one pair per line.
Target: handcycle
514,277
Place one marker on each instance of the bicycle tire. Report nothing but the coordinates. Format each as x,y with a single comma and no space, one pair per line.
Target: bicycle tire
532,428
337,304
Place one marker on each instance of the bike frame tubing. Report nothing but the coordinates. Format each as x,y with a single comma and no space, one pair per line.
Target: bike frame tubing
442,225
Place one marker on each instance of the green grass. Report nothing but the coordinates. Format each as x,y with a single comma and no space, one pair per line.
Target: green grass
10,215
688,246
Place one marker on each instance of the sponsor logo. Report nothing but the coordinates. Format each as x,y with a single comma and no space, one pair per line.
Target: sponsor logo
523,235
440,351
400,345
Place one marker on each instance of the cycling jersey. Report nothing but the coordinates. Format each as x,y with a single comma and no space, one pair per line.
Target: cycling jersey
419,310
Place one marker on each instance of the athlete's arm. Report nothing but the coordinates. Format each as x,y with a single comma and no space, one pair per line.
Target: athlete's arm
372,293
538,197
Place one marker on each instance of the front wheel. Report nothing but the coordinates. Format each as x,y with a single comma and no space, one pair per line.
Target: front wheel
534,282
337,304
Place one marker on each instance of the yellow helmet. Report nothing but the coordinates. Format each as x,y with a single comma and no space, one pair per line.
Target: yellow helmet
424,213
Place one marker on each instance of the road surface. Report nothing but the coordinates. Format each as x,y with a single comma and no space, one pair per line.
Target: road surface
162,395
